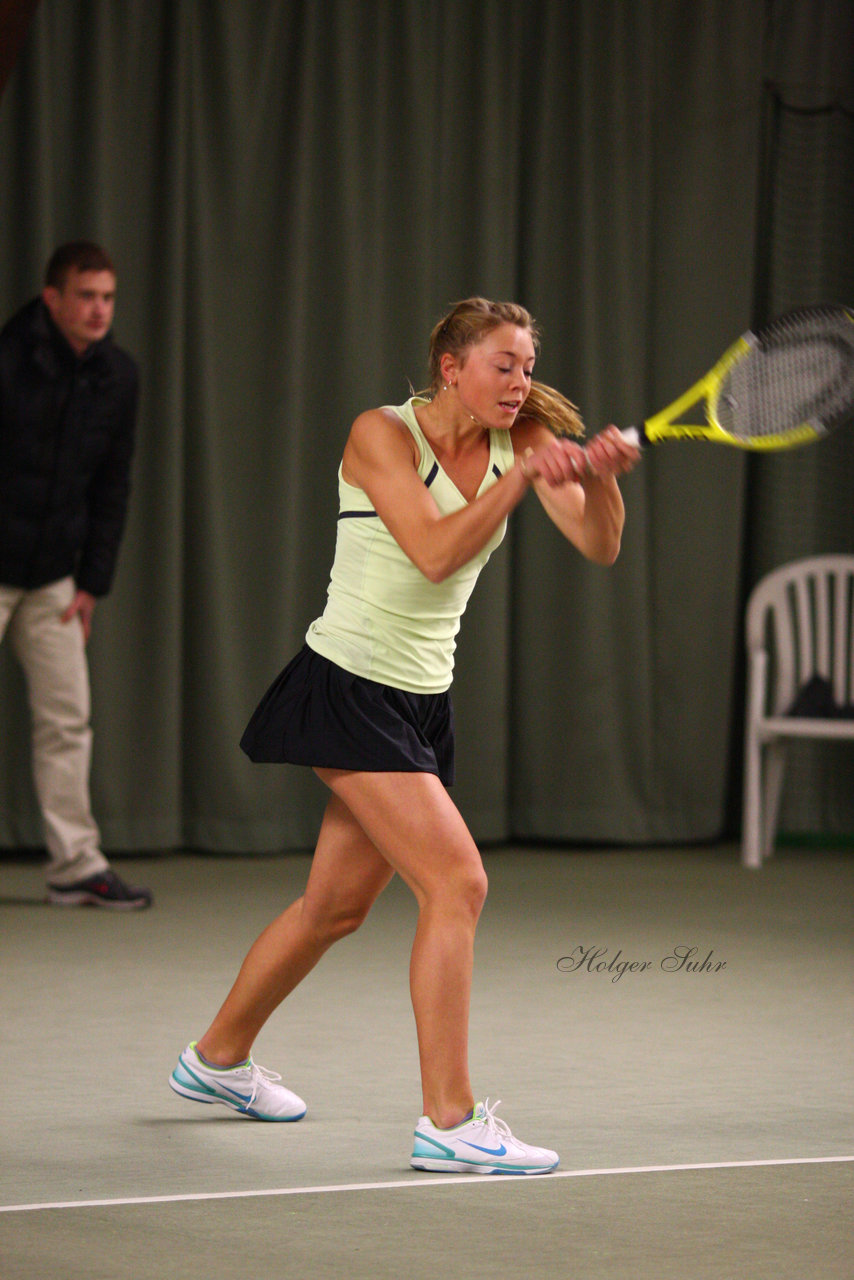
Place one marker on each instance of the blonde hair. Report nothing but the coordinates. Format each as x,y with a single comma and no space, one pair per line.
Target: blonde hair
467,323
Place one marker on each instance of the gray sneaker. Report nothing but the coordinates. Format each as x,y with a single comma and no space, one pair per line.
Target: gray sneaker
104,889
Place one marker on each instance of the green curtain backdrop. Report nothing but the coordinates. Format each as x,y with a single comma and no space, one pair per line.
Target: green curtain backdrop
294,190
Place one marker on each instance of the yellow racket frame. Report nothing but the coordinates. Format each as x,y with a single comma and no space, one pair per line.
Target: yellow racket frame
706,391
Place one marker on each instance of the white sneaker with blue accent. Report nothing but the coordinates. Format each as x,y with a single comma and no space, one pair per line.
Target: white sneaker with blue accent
483,1144
247,1088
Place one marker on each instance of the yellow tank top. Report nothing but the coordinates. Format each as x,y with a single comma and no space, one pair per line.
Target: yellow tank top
383,619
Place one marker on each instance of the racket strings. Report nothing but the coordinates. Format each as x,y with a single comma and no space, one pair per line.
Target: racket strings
798,372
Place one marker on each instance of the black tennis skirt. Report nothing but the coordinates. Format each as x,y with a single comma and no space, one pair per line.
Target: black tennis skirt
316,713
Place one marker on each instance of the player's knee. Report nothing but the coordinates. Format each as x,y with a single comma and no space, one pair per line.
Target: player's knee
338,921
470,889
348,921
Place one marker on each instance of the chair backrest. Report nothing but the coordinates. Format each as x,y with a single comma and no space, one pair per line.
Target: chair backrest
805,612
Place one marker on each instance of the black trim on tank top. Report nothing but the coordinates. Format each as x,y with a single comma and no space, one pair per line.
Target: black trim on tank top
434,471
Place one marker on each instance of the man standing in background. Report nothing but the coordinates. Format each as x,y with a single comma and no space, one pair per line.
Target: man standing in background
68,399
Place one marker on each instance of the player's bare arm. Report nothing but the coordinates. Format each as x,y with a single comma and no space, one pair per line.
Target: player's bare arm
577,486
380,458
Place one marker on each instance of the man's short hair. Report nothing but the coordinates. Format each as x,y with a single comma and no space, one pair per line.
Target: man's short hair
77,255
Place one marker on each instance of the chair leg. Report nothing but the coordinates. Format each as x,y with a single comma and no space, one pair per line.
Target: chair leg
751,839
775,768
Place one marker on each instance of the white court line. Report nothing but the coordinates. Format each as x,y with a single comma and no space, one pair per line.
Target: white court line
443,1180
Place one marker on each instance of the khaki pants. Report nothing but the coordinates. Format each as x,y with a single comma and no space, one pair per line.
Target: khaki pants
53,656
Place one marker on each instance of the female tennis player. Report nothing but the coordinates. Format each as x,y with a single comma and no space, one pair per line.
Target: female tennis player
425,491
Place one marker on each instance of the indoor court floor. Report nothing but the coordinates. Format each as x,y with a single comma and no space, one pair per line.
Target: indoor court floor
680,1030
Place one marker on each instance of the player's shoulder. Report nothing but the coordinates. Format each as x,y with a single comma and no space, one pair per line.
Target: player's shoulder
385,415
378,426
378,439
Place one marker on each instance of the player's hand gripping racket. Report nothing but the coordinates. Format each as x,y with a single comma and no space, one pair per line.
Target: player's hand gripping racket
786,385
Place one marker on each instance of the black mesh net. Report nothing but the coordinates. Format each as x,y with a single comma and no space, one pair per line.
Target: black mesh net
799,503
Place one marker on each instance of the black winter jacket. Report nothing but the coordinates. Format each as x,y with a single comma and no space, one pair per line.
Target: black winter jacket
66,443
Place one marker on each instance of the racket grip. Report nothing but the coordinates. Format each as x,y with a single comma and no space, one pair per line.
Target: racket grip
632,436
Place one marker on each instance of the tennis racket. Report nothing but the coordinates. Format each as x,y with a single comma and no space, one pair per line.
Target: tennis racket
788,384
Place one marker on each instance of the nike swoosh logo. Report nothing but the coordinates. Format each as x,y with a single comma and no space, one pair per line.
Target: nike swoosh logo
241,1097
488,1151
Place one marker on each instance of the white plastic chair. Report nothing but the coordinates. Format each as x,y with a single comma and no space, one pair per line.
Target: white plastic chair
799,624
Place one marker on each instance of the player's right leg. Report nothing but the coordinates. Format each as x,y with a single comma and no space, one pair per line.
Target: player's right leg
347,875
